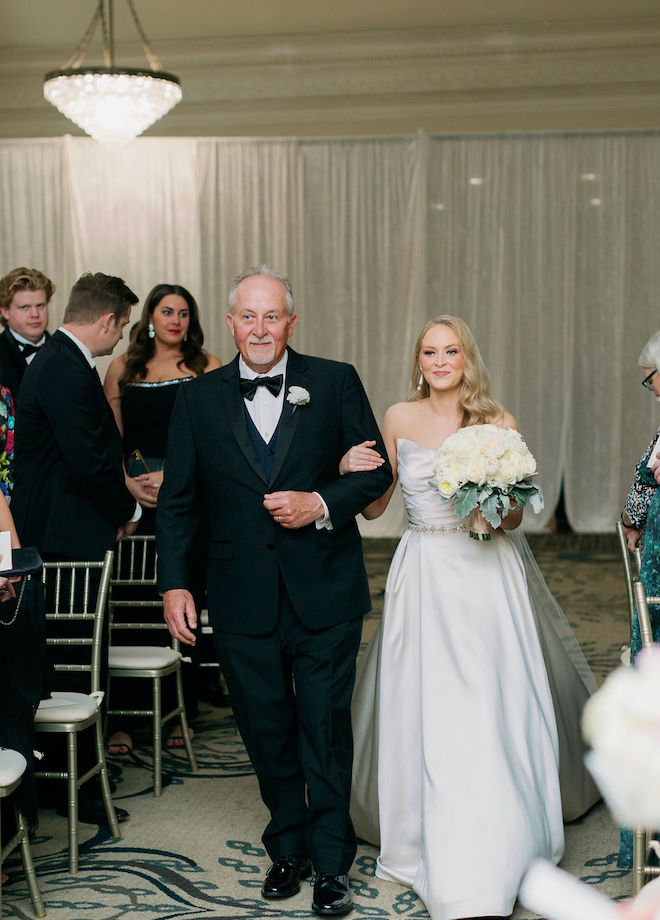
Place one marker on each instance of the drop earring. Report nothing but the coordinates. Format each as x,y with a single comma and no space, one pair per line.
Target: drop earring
420,382
151,331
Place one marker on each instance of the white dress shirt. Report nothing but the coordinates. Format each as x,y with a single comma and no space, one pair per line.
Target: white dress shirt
265,410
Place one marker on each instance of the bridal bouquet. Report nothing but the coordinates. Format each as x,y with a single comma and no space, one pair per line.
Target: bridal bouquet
484,468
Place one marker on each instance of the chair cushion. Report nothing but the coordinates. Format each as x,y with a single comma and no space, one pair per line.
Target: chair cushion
141,656
12,766
66,706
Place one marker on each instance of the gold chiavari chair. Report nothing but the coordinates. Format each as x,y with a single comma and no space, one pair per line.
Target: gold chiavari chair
643,869
78,606
135,567
12,768
631,567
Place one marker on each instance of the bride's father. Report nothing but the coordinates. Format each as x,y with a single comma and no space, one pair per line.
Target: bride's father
257,444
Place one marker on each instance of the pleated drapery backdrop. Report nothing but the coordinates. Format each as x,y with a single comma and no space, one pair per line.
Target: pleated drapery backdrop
546,244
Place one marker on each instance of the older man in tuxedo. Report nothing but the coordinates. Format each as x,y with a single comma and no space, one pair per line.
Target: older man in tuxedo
24,297
258,444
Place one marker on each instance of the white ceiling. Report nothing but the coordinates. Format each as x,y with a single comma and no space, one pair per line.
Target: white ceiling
43,23
346,67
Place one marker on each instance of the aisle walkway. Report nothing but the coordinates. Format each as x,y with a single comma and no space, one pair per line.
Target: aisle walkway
196,852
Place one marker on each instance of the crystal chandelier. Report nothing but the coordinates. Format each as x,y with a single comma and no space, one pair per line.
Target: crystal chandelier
112,103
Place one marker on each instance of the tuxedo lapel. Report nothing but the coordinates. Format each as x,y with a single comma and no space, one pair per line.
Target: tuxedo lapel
234,407
296,375
15,350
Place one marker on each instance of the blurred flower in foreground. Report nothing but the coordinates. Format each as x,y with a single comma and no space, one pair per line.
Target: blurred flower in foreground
621,722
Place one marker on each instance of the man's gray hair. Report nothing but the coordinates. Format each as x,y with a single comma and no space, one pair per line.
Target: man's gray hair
269,273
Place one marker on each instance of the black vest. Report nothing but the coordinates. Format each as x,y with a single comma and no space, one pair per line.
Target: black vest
265,452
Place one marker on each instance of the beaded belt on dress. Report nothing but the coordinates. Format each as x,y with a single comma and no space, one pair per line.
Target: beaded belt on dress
431,528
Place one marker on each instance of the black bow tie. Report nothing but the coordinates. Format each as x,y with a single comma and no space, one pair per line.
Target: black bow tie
28,349
249,387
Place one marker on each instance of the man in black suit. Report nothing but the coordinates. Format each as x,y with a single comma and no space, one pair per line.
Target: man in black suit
70,498
24,297
287,587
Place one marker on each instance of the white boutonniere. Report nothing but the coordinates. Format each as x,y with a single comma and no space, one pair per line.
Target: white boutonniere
297,396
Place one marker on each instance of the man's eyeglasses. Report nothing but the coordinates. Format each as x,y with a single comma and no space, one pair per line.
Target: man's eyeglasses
646,382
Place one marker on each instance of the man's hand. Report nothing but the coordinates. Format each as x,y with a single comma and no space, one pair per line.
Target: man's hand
127,529
293,509
180,614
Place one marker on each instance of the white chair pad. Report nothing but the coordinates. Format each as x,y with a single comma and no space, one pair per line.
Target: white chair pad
12,767
141,656
66,706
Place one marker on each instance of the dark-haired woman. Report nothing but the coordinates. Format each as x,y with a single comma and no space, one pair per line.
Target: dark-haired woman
141,385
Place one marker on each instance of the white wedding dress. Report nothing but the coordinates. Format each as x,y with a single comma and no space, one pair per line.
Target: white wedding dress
456,744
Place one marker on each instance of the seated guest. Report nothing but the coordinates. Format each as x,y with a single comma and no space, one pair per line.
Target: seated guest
24,297
24,667
141,385
70,498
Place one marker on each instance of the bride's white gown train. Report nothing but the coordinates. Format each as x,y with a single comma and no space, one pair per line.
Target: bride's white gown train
453,713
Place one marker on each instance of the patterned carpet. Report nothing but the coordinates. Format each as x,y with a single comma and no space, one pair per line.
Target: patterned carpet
196,852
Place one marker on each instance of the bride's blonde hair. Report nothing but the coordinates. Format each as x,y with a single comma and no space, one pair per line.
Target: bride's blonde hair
474,399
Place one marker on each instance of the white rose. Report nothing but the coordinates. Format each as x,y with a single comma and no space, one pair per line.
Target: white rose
507,473
528,465
476,470
298,396
447,487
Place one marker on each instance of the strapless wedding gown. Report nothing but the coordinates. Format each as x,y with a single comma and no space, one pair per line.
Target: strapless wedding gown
456,743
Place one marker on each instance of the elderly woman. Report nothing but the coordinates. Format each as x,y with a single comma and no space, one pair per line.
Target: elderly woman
641,513
641,520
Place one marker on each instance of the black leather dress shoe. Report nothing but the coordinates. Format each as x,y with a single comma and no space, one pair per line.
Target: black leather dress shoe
93,812
284,876
332,895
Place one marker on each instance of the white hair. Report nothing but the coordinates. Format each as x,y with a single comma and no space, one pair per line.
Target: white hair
649,356
269,273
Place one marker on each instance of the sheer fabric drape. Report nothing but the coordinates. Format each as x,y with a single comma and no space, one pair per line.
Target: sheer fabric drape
547,245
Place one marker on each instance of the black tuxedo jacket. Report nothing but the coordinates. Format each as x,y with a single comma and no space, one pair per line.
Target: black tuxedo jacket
12,363
70,496
211,461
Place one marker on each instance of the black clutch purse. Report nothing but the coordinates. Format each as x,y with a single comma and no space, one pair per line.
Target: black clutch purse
25,561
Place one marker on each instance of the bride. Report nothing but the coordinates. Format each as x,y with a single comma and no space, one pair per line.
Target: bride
453,710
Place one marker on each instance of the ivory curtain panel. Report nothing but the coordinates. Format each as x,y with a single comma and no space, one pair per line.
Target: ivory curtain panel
546,244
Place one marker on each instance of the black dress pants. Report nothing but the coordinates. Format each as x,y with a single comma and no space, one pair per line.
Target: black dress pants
291,693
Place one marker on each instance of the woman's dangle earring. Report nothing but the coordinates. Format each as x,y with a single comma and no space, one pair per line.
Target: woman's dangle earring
152,333
420,382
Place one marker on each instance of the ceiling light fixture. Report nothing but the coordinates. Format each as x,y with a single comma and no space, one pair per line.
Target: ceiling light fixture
112,103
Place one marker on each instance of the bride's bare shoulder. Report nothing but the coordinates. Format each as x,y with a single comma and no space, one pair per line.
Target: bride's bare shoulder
400,414
506,420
